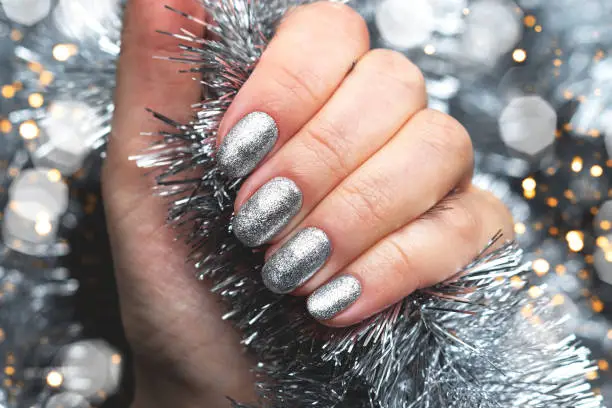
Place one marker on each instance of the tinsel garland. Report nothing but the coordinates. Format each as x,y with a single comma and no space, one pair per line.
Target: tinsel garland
476,340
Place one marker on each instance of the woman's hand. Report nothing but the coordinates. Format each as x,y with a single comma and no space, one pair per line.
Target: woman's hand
185,356
363,193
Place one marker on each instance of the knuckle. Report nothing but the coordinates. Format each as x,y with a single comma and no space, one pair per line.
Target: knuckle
368,202
397,260
328,142
302,85
396,67
504,215
463,221
447,136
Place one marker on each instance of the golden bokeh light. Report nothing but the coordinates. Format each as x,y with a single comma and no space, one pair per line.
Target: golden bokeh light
540,267
29,130
63,52
519,228
597,305
602,242
54,175
529,184
575,240
8,91
36,100
43,224
6,126
557,300
519,55
535,292
576,164
55,379
46,77
603,365
516,282
530,20
596,171
16,35
592,375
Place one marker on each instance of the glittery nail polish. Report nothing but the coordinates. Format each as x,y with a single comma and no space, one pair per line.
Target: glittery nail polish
246,144
334,297
297,260
267,212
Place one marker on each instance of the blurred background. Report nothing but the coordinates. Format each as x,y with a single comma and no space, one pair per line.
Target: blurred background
530,79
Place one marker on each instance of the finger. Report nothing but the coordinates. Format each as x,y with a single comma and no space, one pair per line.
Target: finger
313,50
416,256
146,82
153,283
133,214
347,131
427,159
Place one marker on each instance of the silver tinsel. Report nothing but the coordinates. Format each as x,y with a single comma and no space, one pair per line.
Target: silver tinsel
479,339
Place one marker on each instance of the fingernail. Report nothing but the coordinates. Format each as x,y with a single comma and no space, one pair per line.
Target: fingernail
246,145
297,260
334,297
267,212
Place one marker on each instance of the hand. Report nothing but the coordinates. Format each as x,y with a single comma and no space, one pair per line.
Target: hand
185,355
363,193
374,188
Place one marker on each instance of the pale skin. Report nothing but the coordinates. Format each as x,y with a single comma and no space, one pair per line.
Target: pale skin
354,134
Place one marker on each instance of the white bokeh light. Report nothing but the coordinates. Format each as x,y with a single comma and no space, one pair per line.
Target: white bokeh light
528,124
66,136
26,12
37,199
449,15
405,23
67,400
493,27
90,368
81,18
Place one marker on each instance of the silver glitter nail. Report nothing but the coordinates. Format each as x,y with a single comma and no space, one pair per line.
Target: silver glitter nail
245,146
297,260
334,297
267,212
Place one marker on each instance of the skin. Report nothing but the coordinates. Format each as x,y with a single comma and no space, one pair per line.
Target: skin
374,165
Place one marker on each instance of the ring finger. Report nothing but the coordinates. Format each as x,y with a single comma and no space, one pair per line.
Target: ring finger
412,258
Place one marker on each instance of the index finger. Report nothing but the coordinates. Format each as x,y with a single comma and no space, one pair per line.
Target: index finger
313,50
